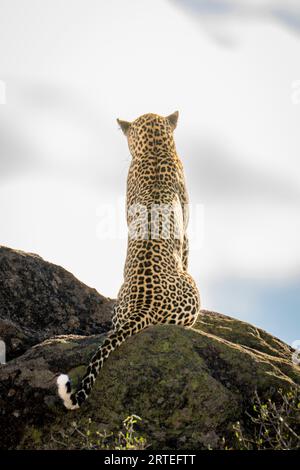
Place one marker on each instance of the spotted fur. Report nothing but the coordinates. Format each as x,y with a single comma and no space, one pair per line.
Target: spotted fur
157,287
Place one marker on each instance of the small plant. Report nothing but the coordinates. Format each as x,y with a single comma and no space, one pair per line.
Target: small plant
129,440
273,424
126,439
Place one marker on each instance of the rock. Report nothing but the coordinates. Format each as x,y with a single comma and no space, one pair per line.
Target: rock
39,300
194,385
188,385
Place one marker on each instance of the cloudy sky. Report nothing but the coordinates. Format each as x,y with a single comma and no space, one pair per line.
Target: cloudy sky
231,68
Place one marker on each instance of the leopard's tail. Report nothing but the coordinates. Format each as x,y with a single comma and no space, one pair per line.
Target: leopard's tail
73,400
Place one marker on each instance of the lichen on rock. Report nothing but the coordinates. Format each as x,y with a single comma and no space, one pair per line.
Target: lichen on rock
188,385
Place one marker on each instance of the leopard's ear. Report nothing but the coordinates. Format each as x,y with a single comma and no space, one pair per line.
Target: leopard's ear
173,118
125,125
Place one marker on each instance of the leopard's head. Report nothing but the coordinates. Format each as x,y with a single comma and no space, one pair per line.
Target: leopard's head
149,132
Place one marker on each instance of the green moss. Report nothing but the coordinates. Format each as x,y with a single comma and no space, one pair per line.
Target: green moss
164,346
32,438
76,374
188,386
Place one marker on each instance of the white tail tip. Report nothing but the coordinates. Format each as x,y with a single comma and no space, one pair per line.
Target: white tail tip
62,381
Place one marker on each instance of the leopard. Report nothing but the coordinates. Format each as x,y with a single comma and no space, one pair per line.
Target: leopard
157,288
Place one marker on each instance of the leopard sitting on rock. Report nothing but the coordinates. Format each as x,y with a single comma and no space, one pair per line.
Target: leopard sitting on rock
157,288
